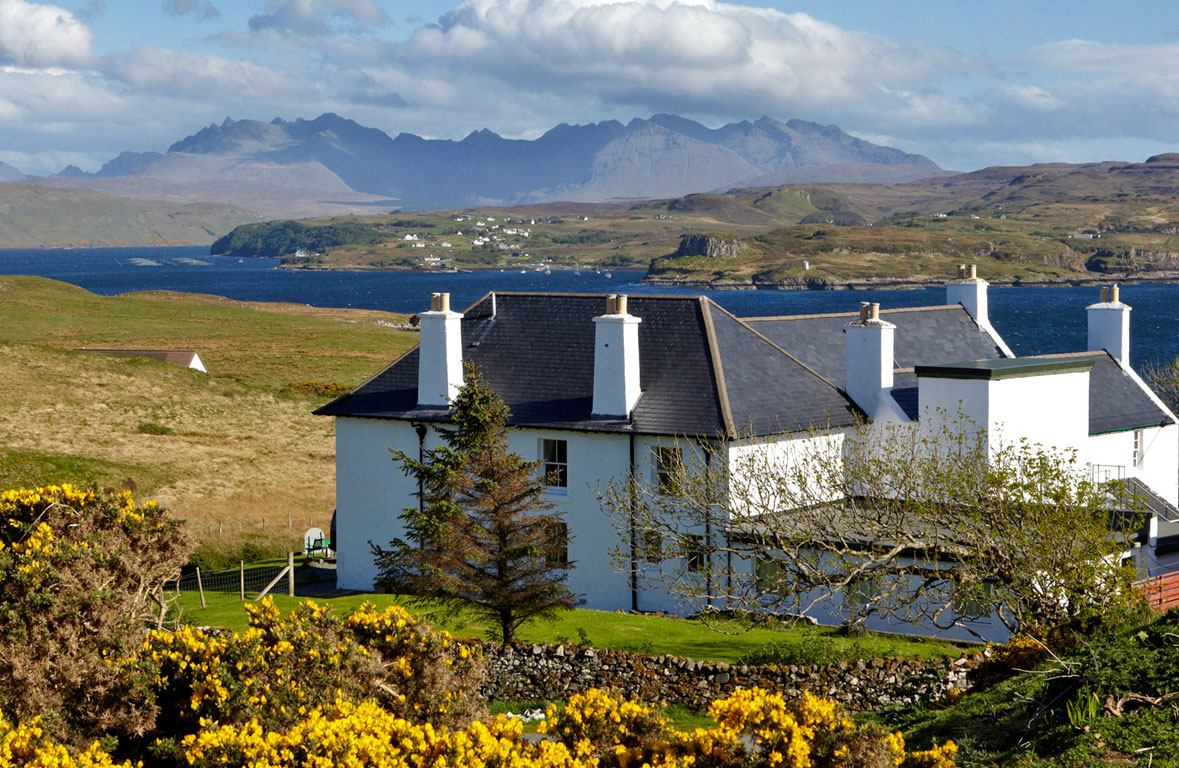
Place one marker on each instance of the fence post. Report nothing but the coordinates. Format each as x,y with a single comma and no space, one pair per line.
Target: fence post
201,588
290,574
242,582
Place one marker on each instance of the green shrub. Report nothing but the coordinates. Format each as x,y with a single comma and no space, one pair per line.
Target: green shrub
152,428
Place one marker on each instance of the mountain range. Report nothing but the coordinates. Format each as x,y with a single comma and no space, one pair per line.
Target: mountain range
332,165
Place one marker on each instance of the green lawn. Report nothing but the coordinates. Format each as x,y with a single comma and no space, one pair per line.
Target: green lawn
647,634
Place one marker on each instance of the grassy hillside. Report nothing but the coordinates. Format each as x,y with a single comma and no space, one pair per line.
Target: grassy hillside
233,446
47,217
1055,221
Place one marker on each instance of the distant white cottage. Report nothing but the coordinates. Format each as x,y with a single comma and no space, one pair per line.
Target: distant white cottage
597,384
182,357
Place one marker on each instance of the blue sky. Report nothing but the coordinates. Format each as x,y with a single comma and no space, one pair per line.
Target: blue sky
968,85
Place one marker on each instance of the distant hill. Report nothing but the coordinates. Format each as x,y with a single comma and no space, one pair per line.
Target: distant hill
36,216
8,173
332,165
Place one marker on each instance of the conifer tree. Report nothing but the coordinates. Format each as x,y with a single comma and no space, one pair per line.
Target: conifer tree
483,536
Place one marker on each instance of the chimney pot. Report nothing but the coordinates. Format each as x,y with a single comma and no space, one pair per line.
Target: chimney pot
863,311
973,271
440,356
961,271
616,360
1109,326
874,311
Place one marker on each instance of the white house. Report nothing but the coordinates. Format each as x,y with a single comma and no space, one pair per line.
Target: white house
598,386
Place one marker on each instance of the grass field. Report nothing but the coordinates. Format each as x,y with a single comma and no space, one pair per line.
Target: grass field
223,450
602,629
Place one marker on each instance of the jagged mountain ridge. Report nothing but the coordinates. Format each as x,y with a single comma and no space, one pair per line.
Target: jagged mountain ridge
665,156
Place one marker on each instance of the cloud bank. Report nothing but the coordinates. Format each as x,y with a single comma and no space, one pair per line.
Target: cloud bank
521,66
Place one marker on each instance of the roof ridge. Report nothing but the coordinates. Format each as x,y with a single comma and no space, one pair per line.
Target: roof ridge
1086,353
718,371
893,310
791,357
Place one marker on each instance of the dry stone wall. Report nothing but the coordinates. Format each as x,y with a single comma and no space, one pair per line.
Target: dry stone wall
525,673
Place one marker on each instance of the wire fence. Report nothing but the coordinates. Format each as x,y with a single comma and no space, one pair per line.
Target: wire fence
212,528
249,580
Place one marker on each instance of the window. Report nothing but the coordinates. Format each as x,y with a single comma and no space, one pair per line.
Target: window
864,592
557,551
771,577
554,457
972,607
667,466
696,554
1138,445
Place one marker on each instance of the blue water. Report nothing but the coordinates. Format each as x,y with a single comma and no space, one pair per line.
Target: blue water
1031,320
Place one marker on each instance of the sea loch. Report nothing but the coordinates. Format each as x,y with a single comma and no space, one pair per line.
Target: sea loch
1032,320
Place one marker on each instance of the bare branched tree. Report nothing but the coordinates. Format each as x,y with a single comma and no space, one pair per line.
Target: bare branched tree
888,519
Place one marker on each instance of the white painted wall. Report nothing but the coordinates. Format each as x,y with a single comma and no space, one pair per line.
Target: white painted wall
1050,409
751,461
1157,467
371,491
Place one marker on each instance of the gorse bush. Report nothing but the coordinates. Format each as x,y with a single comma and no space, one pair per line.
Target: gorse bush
92,676
283,667
81,573
754,729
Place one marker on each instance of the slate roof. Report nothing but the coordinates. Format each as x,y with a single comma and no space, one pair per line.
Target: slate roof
1116,401
702,371
924,336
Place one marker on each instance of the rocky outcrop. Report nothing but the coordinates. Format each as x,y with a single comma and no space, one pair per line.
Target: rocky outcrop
1133,262
710,246
555,672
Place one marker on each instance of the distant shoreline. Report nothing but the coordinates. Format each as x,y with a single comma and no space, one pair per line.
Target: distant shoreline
900,283
800,284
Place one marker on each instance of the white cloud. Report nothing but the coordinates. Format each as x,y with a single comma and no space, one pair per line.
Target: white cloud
38,35
198,75
1084,56
722,58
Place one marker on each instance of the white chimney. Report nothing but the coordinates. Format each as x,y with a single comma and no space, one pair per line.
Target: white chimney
868,348
616,360
440,353
970,291
1109,326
